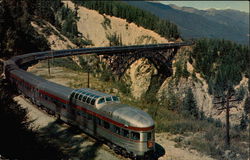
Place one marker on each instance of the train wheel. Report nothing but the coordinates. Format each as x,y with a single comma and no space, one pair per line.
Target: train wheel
110,145
58,118
125,153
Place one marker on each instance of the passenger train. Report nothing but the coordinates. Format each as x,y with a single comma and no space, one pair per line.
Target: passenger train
127,130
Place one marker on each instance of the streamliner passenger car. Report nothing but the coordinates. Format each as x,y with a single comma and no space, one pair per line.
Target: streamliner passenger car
127,130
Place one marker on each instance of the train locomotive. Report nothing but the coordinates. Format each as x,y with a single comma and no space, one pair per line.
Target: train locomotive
127,130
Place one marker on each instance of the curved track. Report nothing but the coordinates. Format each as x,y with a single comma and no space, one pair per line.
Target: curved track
30,58
23,61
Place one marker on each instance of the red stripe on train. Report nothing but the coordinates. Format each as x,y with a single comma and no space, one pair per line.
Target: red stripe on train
112,121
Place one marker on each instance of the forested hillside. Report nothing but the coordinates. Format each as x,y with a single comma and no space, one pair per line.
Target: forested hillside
17,35
221,61
193,23
135,15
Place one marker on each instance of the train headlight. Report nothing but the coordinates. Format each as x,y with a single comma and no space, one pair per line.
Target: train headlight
150,144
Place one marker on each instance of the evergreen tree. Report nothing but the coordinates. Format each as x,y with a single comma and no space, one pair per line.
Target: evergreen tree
243,122
189,104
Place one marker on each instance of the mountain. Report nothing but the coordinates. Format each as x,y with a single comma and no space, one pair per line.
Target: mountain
193,23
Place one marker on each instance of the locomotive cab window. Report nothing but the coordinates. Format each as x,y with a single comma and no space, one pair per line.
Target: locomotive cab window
135,136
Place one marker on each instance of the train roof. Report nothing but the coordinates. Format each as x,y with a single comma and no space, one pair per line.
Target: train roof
131,116
93,97
28,77
91,91
58,90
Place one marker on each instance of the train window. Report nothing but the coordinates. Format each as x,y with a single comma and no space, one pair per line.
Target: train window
64,106
80,97
102,100
117,130
83,92
73,94
99,121
89,117
115,98
84,98
106,125
108,99
84,114
135,136
125,133
76,96
88,100
149,136
93,101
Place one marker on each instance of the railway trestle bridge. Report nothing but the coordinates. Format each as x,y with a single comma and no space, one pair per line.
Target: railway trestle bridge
161,59
160,55
119,58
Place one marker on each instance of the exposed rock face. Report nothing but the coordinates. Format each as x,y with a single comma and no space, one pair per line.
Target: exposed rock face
92,26
139,76
203,99
56,40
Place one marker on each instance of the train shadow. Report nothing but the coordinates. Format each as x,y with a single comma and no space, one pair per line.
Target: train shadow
159,151
70,140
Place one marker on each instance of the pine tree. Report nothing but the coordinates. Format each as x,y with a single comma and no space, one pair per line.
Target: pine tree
243,122
189,104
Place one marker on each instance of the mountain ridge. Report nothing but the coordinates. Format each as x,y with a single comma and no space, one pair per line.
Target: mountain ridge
193,23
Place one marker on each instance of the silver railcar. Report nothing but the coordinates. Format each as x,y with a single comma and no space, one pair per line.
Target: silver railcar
128,130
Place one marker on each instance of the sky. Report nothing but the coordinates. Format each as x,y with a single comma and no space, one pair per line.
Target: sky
237,5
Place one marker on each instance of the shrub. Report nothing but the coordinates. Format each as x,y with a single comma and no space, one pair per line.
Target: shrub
123,87
114,39
106,23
